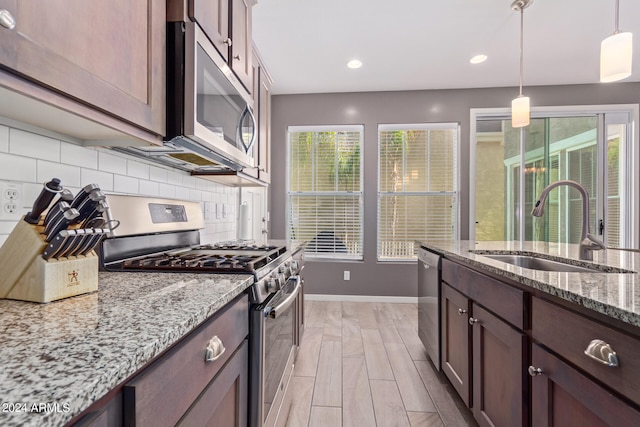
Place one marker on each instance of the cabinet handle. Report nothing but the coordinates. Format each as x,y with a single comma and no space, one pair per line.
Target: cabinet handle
227,41
461,311
534,372
472,321
215,349
237,57
7,20
602,352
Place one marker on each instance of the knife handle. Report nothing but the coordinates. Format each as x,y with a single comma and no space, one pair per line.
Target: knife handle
63,221
43,200
65,196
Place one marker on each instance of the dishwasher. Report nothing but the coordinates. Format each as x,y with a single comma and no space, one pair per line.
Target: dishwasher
429,268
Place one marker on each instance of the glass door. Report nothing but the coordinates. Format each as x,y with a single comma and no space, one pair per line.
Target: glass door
512,166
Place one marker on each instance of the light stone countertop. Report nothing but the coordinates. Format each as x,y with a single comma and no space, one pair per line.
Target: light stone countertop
70,353
616,295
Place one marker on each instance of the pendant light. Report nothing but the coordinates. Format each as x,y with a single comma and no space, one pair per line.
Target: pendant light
616,53
520,110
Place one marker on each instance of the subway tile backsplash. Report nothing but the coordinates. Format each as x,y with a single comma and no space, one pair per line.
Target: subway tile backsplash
31,159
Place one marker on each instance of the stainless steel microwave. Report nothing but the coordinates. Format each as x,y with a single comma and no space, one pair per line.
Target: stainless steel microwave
209,111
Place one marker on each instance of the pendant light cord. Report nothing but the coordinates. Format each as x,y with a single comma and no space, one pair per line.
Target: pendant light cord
522,45
617,19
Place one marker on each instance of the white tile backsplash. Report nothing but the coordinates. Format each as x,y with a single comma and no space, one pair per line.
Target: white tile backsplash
137,169
69,175
75,155
125,184
108,162
78,166
16,168
4,139
29,144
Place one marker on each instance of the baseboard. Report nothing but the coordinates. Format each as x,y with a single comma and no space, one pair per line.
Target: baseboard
361,298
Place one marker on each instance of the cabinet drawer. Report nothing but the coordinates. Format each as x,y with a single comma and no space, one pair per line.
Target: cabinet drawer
162,392
504,300
568,334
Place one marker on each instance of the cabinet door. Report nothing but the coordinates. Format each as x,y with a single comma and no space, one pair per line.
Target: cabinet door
241,38
213,18
562,396
456,363
109,54
264,126
224,401
498,375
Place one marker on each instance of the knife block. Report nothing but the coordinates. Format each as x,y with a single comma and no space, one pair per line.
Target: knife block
26,276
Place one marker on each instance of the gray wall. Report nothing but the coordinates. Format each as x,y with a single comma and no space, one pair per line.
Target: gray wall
369,277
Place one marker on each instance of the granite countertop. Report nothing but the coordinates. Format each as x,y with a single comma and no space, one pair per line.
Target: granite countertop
69,353
616,295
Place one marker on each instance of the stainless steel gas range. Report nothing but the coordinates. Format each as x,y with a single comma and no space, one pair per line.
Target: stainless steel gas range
162,235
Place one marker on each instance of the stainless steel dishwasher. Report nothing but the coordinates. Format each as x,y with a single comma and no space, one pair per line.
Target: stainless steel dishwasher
429,267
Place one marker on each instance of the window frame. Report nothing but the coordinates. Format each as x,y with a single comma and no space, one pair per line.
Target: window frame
331,256
455,194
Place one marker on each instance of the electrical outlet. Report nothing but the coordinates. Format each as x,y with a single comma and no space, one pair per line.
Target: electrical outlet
218,210
209,209
10,200
347,275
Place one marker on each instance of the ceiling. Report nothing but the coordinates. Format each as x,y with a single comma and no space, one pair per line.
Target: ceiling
427,44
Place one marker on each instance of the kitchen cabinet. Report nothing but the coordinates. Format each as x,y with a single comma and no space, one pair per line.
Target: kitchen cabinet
203,377
227,24
488,374
263,116
566,382
97,60
563,396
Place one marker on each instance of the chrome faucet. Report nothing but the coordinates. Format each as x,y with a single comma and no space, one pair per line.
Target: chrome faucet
588,242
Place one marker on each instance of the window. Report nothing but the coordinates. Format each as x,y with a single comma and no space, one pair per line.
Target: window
324,190
417,187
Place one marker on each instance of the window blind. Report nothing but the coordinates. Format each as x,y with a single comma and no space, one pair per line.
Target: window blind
417,187
324,190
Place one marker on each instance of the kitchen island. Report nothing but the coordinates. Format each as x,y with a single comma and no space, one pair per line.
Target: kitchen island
525,346
60,358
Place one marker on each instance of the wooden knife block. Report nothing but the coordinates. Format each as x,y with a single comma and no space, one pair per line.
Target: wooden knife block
26,276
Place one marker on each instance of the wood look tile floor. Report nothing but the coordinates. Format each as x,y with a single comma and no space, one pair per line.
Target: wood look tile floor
362,364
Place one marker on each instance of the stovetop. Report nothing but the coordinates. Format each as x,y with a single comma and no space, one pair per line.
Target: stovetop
216,258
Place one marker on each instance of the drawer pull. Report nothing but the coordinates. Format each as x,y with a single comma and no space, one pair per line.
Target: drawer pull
461,311
602,352
534,372
215,349
472,321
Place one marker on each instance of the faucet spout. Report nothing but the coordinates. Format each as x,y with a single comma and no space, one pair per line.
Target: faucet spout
588,242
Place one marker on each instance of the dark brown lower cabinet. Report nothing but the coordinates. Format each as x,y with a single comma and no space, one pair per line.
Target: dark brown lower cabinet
224,401
498,376
456,363
564,397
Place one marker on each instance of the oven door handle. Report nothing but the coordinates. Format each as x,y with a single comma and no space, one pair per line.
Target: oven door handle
284,305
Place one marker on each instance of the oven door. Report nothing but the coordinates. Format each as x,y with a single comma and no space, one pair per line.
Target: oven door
280,323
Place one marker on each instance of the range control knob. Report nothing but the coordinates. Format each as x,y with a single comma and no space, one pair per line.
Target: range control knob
294,266
271,284
285,268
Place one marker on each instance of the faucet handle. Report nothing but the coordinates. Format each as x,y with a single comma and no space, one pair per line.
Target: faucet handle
594,243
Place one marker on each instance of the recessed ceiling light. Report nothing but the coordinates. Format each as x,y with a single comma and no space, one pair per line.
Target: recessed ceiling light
478,59
354,63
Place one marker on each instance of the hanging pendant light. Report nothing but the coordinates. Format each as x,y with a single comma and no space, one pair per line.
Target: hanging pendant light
616,52
520,109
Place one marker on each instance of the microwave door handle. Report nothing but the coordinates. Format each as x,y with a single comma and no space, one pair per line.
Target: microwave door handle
247,111
284,305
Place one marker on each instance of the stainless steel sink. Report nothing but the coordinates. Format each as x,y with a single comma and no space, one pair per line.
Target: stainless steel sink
534,262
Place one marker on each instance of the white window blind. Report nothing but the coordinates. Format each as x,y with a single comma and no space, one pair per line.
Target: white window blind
324,190
417,187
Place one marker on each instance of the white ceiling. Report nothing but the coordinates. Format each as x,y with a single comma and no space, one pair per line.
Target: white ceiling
427,44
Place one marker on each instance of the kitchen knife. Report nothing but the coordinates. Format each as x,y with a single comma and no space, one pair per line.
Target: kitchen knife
97,218
54,214
64,196
83,194
95,239
57,243
62,223
88,205
43,200
73,242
